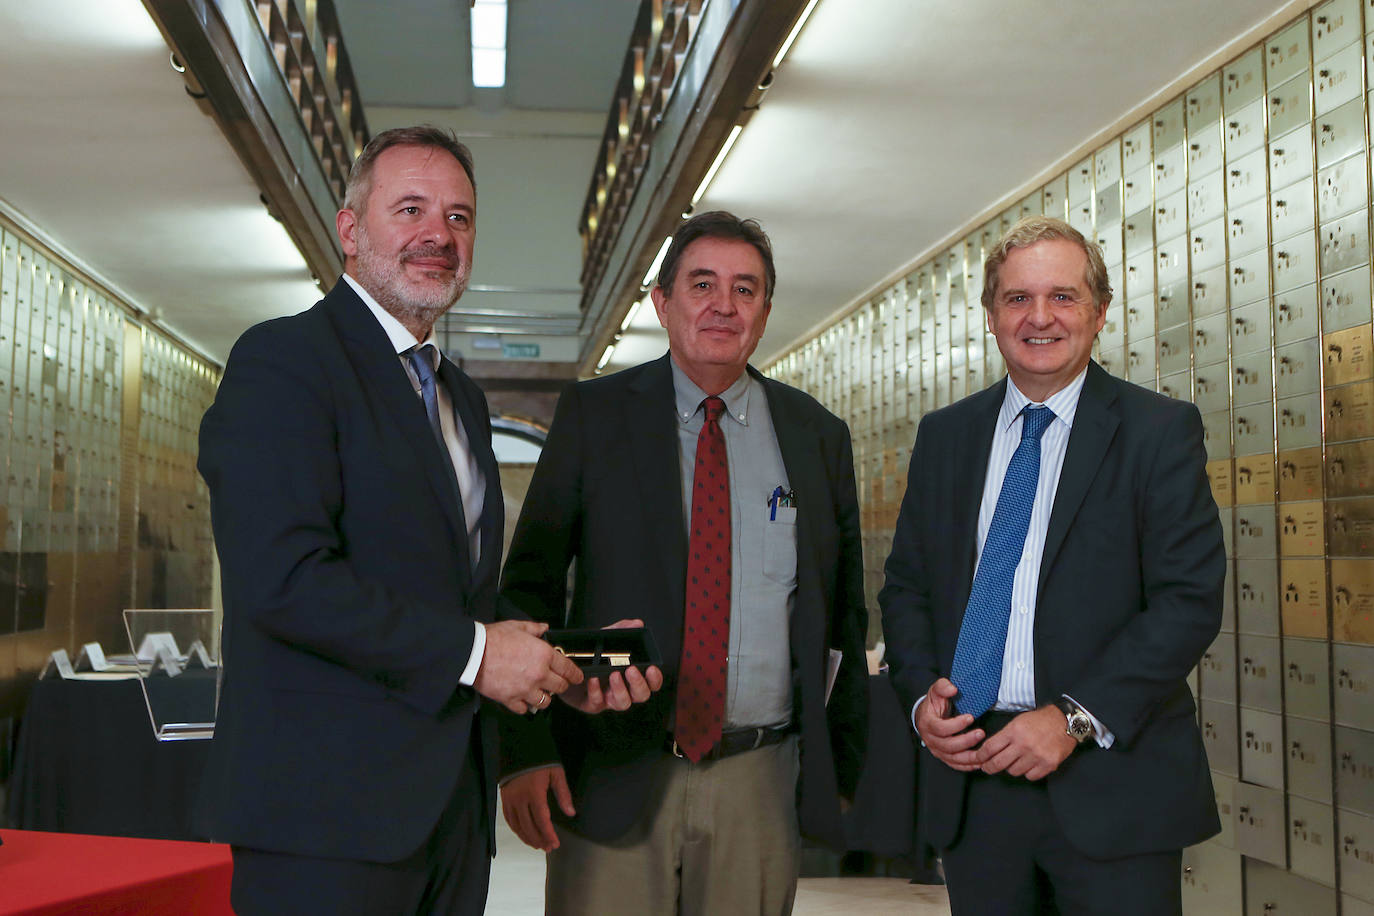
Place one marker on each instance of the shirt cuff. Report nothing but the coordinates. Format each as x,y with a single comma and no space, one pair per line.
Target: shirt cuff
509,776
1105,738
479,646
913,721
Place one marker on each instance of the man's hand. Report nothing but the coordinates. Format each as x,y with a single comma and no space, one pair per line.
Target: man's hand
944,733
525,803
621,691
1032,745
521,671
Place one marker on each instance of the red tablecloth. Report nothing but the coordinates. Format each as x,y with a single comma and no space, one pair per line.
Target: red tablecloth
52,873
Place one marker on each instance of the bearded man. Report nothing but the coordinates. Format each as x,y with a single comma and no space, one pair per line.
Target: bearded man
358,517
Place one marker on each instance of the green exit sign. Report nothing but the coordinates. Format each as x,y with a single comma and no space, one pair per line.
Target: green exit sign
520,350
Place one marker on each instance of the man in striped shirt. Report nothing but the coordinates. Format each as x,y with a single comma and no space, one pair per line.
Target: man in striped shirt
1056,573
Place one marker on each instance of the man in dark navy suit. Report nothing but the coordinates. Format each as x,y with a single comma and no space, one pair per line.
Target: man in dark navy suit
1062,766
358,516
718,507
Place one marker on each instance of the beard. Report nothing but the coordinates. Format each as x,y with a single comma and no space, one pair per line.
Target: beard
405,299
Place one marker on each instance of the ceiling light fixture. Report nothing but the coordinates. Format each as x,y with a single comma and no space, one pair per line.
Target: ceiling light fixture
792,35
715,166
630,315
489,44
605,358
652,275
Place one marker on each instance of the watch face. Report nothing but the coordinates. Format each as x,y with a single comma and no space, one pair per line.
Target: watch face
1080,726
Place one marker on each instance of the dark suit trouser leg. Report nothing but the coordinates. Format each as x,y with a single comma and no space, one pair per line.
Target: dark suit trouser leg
1012,859
447,875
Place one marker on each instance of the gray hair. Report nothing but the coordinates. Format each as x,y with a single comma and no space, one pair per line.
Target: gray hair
360,176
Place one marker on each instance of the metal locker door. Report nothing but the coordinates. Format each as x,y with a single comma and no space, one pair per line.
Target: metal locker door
1309,759
1272,891
1212,884
1345,299
1352,671
1220,735
1261,675
1261,825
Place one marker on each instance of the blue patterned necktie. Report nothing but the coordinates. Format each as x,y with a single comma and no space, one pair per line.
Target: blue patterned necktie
422,363
977,668
424,371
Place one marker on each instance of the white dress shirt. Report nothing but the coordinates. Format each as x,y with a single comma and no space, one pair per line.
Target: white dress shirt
471,481
1017,690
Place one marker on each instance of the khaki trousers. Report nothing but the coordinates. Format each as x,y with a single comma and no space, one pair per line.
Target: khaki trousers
722,841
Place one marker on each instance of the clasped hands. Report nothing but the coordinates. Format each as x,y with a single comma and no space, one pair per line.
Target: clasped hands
522,672
1033,744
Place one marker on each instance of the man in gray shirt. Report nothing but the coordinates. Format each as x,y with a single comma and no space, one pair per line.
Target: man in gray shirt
719,508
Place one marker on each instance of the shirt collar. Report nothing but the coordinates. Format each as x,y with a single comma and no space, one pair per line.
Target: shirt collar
1063,402
401,339
688,396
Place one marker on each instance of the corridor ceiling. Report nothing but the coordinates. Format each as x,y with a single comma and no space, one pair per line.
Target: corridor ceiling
892,124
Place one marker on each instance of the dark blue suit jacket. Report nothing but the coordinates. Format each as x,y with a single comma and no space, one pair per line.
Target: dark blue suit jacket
1129,598
349,599
608,493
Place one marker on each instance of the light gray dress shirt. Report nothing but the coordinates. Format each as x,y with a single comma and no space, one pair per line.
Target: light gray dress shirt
763,547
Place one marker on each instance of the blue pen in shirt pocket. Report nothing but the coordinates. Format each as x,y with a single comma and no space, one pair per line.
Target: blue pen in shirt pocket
780,537
782,505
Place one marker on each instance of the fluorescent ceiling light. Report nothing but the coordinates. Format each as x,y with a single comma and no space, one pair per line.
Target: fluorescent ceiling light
715,166
658,262
630,315
605,358
489,44
488,68
122,24
792,35
489,24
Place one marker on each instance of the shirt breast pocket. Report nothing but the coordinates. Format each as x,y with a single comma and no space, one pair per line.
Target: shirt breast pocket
780,546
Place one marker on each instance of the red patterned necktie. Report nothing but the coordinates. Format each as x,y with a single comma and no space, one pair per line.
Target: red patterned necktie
700,709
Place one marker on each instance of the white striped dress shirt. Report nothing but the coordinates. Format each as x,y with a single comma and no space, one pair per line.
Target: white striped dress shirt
1017,691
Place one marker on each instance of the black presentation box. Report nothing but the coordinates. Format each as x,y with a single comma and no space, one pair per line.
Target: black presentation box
600,652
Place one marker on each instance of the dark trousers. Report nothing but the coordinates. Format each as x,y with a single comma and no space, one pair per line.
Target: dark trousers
447,875
1012,859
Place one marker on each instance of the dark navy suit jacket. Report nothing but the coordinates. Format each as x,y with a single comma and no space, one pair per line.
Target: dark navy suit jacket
349,599
1130,596
608,493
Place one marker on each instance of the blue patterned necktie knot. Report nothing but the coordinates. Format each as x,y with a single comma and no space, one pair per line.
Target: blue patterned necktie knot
977,670
421,362
1034,422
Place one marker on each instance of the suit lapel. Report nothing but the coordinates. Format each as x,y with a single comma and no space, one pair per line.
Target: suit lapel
1094,426
975,450
651,433
385,379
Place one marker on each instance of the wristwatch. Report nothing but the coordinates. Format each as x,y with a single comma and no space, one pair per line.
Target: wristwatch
1077,724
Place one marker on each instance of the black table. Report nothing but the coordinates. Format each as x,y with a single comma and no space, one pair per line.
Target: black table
87,761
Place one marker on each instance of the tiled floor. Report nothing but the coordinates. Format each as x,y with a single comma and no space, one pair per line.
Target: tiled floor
517,889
